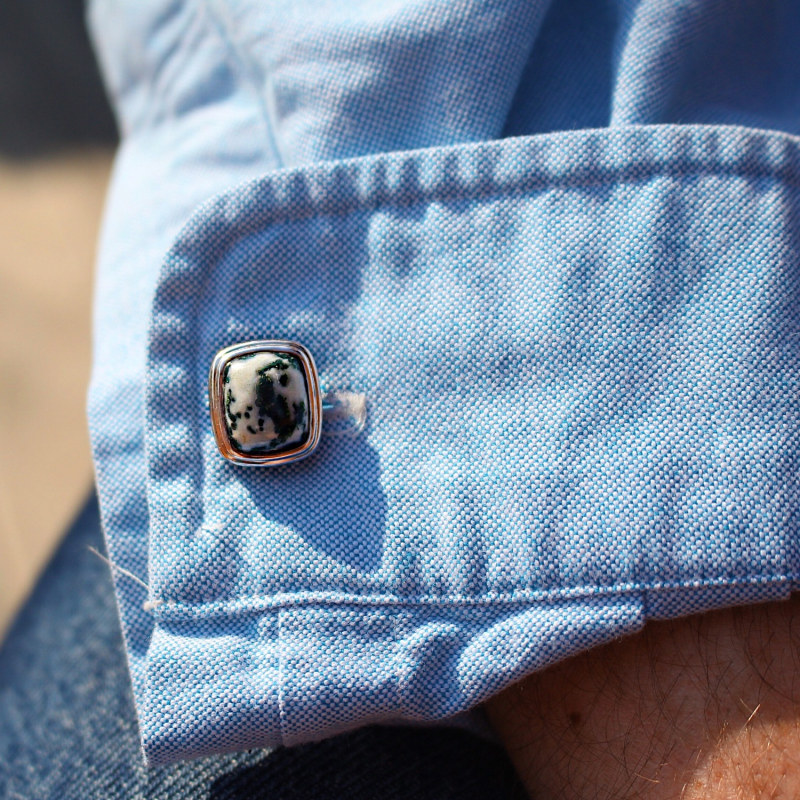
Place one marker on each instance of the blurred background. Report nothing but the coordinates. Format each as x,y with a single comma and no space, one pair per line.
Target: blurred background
57,137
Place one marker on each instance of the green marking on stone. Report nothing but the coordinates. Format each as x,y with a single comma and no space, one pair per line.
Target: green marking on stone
283,419
265,394
278,363
270,403
228,401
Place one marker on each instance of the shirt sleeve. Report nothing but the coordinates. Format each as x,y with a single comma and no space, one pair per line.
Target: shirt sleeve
575,346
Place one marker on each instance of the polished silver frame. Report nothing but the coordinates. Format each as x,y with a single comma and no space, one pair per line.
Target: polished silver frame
216,394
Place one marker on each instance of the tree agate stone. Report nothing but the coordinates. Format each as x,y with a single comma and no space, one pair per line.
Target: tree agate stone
266,402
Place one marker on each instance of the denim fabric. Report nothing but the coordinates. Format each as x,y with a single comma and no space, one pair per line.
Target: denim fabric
69,729
573,315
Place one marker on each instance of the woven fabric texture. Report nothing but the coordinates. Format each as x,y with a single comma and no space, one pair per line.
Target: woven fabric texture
554,247
69,726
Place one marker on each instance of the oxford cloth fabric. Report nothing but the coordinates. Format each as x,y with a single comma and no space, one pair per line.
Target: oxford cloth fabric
553,245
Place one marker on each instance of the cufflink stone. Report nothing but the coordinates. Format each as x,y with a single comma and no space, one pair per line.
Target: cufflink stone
265,402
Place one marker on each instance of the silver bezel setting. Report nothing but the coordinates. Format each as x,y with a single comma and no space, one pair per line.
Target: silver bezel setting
216,394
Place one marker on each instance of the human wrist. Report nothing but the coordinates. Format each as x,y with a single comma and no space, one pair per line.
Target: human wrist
703,707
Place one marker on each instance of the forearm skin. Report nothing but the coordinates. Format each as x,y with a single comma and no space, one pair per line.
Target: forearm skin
705,707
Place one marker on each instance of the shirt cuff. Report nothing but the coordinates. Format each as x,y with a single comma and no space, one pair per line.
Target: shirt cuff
578,357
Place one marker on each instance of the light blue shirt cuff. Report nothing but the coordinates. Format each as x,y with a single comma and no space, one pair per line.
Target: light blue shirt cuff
577,353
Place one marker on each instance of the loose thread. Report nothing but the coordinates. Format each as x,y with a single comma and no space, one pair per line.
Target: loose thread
148,605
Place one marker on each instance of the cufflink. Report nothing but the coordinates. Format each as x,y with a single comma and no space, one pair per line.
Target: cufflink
265,402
